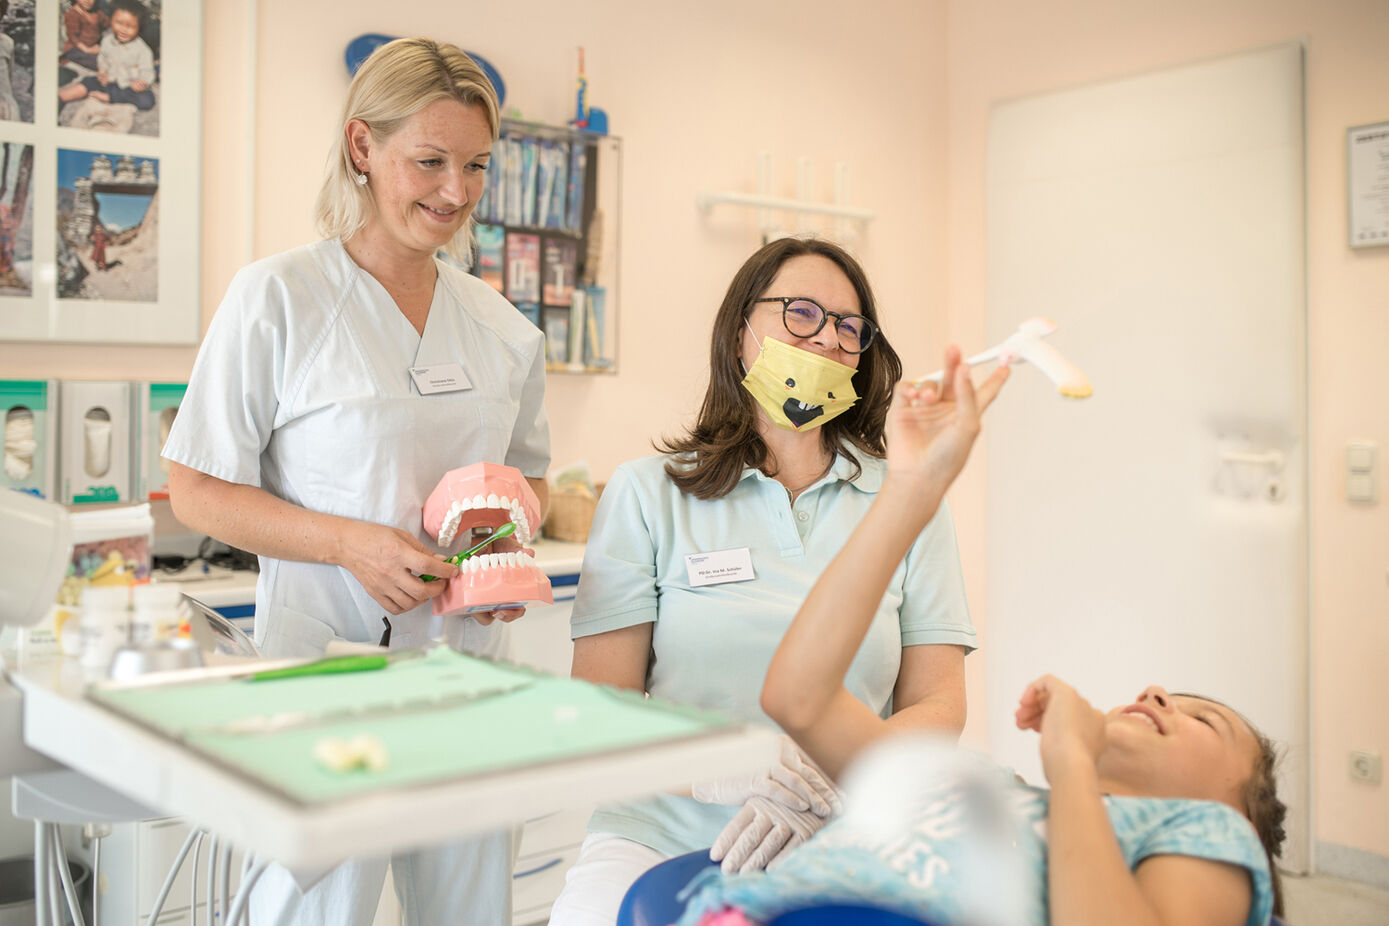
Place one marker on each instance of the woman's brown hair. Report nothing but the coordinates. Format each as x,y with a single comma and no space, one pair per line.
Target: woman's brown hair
724,439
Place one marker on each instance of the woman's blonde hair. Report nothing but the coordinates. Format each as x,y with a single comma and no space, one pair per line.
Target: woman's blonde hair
398,80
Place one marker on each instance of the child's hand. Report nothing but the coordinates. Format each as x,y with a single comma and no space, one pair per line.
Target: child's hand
103,77
930,430
138,86
1072,730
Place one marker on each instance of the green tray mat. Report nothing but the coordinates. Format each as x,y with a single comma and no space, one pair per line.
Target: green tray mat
441,716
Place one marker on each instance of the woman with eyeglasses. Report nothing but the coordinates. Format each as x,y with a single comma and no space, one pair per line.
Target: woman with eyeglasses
699,558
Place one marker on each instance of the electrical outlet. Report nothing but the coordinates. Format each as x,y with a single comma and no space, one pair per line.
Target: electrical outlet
1364,766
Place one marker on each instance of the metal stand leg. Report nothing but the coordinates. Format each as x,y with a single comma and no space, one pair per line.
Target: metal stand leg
41,908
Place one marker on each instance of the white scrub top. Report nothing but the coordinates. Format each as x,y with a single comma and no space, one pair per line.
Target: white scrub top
303,388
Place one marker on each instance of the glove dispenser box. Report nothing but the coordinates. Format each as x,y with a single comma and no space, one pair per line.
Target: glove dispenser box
95,446
156,405
29,409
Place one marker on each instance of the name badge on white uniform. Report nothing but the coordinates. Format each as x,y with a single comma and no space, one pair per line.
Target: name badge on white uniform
441,377
719,567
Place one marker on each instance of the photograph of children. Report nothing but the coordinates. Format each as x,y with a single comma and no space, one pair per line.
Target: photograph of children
17,60
108,227
108,66
16,219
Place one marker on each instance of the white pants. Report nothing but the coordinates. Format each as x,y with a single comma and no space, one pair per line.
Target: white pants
595,886
464,882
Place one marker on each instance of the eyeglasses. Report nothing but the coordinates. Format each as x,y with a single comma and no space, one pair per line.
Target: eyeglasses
805,317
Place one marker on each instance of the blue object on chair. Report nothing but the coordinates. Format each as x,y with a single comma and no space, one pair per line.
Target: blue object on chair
650,901
844,915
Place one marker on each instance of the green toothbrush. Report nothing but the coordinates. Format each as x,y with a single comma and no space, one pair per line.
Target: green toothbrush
506,530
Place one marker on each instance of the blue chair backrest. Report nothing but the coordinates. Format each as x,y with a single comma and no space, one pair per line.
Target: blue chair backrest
650,901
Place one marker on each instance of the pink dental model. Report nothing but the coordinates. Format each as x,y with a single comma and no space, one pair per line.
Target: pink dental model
487,495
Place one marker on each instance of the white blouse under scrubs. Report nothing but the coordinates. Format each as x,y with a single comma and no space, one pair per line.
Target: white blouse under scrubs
303,388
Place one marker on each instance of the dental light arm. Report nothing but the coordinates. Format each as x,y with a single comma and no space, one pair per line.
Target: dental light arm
1026,345
35,548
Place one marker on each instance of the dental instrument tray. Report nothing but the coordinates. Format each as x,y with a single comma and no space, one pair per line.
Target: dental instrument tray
440,716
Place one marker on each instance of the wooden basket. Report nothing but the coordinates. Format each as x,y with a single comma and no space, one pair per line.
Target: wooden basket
570,516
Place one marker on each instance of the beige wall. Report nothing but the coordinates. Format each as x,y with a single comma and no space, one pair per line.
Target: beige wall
902,97
1003,49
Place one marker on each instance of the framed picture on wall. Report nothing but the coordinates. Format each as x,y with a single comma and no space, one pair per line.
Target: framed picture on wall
100,170
1367,156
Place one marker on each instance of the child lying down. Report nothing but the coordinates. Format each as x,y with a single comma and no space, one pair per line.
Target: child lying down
1162,811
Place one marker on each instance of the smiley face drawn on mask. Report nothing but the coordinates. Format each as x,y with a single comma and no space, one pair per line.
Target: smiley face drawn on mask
798,411
798,389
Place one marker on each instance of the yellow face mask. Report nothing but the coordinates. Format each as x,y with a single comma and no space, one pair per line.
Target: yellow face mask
799,390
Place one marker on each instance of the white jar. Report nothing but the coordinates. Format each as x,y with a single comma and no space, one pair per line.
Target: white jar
156,616
105,623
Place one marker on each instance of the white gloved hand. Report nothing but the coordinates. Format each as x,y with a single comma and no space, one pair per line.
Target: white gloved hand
794,782
761,835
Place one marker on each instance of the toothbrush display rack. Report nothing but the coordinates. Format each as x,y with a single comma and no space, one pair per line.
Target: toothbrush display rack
548,238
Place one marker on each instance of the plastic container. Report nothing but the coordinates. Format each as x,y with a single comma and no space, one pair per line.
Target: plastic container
105,623
110,546
157,613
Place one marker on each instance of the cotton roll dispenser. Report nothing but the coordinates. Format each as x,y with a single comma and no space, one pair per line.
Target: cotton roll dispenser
467,503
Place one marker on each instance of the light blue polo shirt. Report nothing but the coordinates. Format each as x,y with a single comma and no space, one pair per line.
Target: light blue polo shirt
711,645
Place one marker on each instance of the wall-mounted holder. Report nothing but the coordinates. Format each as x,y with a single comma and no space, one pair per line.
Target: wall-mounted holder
848,220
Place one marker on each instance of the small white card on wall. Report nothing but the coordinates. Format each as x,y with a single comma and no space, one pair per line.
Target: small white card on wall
719,567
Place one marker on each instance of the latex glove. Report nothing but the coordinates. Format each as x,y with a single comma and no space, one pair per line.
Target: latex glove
762,834
794,781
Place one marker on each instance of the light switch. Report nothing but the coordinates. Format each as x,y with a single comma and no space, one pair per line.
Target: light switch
1360,471
1360,456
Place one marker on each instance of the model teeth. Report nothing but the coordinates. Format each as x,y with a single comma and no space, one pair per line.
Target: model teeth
485,561
512,506
1152,723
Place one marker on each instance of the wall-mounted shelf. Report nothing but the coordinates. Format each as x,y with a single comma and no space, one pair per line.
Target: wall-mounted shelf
847,219
548,238
708,201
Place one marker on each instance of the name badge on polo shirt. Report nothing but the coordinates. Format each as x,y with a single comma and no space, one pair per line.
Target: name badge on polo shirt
719,567
441,377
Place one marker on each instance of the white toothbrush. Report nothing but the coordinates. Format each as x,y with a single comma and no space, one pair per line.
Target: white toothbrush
1026,344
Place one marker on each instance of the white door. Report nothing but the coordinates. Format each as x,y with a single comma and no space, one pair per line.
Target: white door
1157,531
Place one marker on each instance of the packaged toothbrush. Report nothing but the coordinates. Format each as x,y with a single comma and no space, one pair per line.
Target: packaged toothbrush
490,207
558,273
559,163
522,267
578,168
547,184
530,150
513,181
491,244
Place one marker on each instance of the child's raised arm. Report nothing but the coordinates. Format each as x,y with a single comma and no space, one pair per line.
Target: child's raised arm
929,436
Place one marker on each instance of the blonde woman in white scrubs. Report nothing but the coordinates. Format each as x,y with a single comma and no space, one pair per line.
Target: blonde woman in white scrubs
305,439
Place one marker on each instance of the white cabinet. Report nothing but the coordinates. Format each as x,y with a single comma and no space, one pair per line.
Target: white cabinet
550,842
